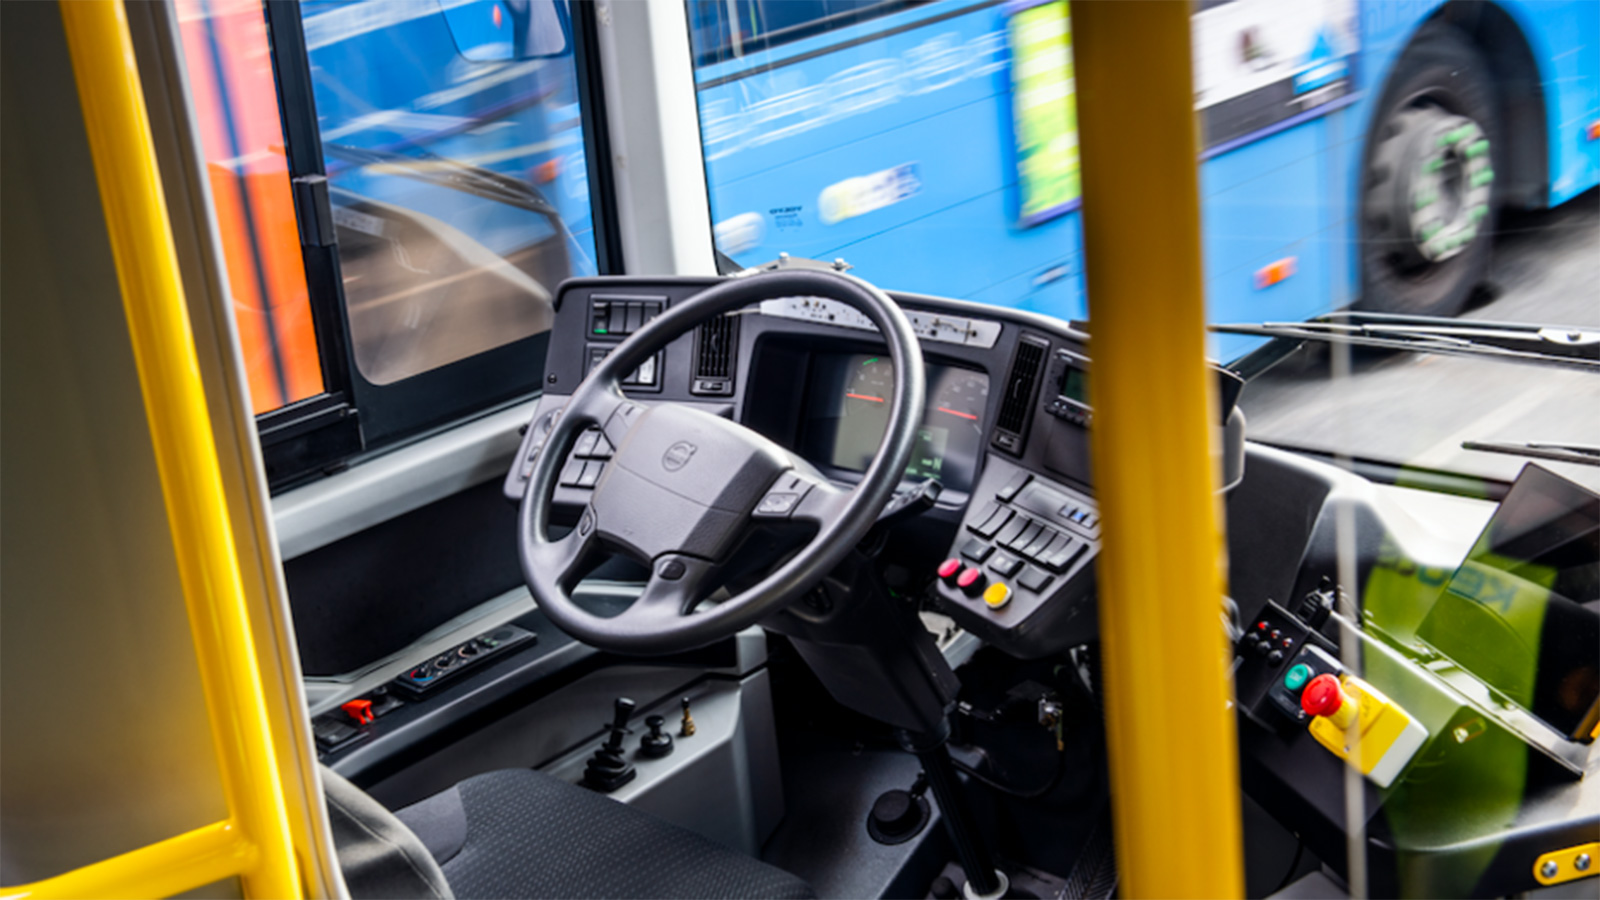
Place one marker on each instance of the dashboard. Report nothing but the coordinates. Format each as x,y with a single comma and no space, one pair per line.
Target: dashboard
1010,545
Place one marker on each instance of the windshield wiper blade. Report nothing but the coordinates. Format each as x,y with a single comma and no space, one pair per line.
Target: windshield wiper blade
1544,344
452,173
1584,454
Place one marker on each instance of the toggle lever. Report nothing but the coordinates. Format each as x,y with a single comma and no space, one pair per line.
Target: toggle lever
609,769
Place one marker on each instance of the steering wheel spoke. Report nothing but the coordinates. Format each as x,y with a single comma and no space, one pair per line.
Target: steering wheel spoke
677,584
564,558
605,406
823,505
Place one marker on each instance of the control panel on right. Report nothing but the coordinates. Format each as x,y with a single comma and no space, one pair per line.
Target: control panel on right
1021,573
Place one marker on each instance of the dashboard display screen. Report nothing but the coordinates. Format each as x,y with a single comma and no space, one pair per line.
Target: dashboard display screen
847,410
1074,385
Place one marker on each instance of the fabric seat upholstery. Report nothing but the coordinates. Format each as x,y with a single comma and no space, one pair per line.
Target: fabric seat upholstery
520,833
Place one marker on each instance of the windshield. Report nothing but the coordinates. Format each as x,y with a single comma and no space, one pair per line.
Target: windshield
1352,157
1415,410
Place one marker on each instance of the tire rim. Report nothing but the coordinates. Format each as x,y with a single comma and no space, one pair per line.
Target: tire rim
1449,178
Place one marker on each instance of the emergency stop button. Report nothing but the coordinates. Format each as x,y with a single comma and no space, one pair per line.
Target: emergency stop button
1325,697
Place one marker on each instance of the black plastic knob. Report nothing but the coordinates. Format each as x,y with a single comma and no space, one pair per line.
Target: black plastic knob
897,816
657,743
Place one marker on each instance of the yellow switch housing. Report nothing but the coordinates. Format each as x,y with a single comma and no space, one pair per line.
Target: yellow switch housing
1388,736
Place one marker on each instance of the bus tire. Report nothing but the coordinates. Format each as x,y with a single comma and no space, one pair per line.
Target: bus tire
1429,199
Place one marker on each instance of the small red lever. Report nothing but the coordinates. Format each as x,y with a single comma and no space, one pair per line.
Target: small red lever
360,710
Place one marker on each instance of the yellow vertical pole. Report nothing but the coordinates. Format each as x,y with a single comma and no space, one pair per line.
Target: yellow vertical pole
169,377
1174,759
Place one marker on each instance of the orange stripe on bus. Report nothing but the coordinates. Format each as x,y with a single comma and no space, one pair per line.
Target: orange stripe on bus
251,190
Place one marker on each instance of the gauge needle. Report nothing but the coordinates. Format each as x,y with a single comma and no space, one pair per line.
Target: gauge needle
946,409
868,397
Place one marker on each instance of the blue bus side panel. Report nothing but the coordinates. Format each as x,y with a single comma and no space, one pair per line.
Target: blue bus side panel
1565,39
1264,202
931,103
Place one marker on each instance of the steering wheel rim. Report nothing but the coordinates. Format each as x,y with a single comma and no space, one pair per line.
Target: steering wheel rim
663,619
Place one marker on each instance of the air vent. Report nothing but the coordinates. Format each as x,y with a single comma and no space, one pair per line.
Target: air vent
1021,385
716,356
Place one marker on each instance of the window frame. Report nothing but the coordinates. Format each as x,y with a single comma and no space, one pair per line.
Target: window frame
354,417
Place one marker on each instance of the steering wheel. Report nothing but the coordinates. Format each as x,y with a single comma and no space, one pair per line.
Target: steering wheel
684,486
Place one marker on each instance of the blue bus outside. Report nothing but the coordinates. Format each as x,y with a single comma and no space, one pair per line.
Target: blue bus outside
1346,158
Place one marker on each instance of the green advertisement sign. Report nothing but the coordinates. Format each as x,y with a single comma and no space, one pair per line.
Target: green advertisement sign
1044,115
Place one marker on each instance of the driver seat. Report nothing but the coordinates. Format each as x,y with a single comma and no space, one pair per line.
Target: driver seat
518,833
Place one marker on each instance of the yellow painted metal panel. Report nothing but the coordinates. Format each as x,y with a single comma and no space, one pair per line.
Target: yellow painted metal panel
147,271
177,864
1174,759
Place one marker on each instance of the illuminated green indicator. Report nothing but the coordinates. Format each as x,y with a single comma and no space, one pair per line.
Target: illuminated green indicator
868,362
1296,678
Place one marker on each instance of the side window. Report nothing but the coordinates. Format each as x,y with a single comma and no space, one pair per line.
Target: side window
454,155
401,185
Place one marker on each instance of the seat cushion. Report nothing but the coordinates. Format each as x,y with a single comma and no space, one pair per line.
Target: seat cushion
520,833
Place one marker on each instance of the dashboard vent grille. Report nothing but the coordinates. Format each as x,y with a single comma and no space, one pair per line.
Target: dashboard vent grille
716,356
1020,386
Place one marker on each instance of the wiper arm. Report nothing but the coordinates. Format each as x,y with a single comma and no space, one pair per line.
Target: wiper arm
1584,454
1544,344
454,174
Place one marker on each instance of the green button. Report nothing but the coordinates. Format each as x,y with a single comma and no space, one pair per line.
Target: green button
1296,678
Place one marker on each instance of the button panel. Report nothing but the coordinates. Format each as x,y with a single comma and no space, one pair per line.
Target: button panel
335,728
620,317
1033,566
427,676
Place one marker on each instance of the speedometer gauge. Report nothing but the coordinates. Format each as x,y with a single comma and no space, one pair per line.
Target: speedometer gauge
959,399
870,385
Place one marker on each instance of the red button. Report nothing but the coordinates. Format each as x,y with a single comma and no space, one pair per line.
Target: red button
360,710
949,568
1322,696
970,580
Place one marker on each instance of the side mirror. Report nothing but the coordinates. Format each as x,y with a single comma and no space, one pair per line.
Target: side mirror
495,30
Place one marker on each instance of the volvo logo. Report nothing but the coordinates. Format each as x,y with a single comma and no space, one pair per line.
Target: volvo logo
677,456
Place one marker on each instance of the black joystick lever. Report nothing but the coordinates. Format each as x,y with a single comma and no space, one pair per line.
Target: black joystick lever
609,769
657,743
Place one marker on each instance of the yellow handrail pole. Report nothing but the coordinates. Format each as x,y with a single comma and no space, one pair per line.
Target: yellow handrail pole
1172,745
190,860
169,377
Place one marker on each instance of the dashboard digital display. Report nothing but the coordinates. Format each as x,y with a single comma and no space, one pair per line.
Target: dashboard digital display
1074,385
847,410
